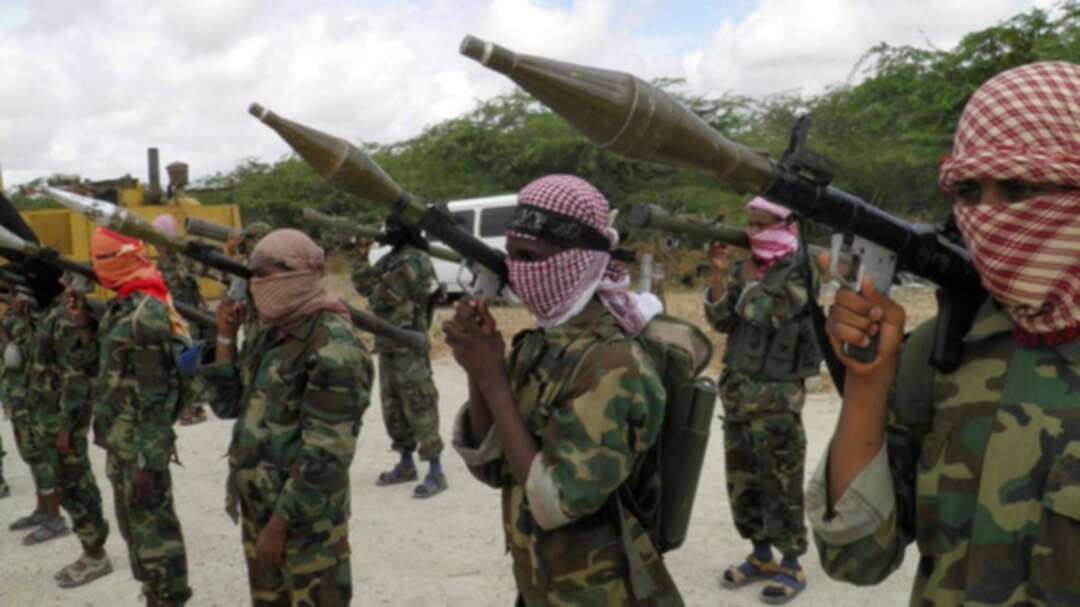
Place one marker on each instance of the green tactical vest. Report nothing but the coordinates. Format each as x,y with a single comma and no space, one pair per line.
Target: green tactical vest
788,353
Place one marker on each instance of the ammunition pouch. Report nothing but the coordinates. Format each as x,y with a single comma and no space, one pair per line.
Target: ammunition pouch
789,353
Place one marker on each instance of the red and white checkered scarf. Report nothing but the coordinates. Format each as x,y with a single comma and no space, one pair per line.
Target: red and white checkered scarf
774,242
557,288
1024,124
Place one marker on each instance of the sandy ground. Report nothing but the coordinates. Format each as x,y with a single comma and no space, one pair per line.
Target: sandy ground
444,551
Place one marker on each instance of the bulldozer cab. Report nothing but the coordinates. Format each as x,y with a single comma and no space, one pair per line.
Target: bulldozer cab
69,232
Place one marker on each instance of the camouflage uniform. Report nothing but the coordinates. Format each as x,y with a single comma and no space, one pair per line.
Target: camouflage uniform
139,390
397,288
17,393
764,439
181,281
593,423
44,380
71,361
184,288
981,469
298,399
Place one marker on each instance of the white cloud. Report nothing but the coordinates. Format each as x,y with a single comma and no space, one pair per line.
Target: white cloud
787,45
89,85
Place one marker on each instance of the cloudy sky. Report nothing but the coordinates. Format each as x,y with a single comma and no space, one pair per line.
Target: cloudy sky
88,85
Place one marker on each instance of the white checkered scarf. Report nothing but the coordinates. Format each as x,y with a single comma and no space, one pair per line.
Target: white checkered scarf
557,288
1024,124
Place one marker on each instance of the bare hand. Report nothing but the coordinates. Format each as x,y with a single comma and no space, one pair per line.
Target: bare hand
63,443
749,270
475,340
720,258
232,243
229,315
145,487
856,317
75,304
270,546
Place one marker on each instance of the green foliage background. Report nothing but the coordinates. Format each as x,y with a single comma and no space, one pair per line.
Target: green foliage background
886,135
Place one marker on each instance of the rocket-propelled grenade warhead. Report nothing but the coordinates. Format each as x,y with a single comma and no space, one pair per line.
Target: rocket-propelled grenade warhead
10,240
358,231
651,217
209,230
112,217
117,219
336,160
349,168
341,225
622,113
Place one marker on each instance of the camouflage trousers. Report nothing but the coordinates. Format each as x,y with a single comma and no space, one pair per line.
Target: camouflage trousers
764,457
79,494
329,586
154,539
410,403
28,445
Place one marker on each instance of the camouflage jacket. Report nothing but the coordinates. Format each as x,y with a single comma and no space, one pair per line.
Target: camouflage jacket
16,382
298,399
181,281
981,469
137,382
77,360
397,288
43,372
772,312
62,363
593,422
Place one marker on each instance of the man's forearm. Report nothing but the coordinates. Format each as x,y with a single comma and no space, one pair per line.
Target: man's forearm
518,444
860,432
480,420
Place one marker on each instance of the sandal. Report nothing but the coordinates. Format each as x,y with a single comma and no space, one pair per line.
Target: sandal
785,585
49,530
433,485
29,521
747,572
83,571
399,474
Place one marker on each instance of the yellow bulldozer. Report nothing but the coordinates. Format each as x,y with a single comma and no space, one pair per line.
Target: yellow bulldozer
69,233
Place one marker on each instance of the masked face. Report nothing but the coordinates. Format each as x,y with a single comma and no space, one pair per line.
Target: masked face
552,283
1025,242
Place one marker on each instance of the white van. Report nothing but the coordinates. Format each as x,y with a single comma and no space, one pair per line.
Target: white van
487,219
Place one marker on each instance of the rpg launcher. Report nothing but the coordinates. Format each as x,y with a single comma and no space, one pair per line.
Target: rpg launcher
347,167
358,231
627,115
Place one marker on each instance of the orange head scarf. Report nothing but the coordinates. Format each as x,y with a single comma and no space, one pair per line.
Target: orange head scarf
121,264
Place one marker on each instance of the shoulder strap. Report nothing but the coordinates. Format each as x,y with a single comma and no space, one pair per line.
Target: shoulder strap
817,315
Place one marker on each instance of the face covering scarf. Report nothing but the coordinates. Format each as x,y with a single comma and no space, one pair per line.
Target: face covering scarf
557,288
1024,125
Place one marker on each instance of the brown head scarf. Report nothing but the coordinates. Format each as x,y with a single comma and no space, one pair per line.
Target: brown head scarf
296,291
